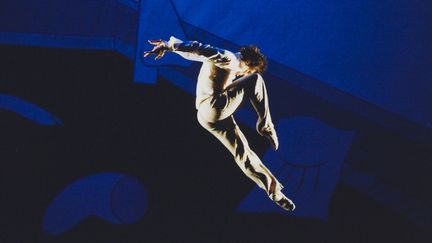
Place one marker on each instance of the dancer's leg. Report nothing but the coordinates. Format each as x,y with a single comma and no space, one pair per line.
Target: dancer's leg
250,87
215,115
228,132
223,105
253,88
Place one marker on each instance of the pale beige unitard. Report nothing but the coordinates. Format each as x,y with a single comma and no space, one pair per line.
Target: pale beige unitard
219,94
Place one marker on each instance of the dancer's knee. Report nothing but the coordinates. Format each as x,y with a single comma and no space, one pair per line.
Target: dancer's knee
256,76
255,81
203,122
252,78
208,113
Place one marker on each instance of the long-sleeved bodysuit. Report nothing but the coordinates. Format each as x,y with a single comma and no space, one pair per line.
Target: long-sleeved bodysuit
219,94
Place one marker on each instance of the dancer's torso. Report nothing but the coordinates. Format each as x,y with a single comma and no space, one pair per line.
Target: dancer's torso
212,80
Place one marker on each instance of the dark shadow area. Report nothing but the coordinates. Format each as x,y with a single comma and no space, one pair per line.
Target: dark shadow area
111,124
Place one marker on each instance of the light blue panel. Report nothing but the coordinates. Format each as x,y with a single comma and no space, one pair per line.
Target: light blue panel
158,20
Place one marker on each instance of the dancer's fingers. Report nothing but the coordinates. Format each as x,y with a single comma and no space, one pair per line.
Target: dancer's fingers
160,55
155,42
147,53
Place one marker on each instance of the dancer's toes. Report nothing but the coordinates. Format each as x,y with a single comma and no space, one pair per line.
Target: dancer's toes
268,131
280,199
270,134
273,139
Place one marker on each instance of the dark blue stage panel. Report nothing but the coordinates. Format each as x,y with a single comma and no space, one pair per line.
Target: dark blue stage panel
88,24
308,164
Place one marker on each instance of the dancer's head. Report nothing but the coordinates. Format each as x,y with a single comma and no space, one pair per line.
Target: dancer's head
253,59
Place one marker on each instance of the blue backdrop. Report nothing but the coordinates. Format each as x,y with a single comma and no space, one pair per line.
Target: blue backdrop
369,58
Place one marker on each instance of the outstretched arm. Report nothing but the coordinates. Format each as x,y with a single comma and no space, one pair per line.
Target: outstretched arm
191,50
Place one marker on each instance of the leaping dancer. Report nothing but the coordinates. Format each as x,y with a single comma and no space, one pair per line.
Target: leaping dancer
227,79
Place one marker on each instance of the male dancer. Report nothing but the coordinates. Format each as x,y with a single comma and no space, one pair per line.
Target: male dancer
225,80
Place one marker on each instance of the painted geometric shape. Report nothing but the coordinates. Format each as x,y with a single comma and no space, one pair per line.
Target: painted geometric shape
28,110
114,197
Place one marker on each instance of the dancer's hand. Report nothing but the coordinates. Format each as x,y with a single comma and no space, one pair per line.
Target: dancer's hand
159,49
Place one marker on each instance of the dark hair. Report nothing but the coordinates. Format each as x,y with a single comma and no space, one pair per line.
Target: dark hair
253,58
